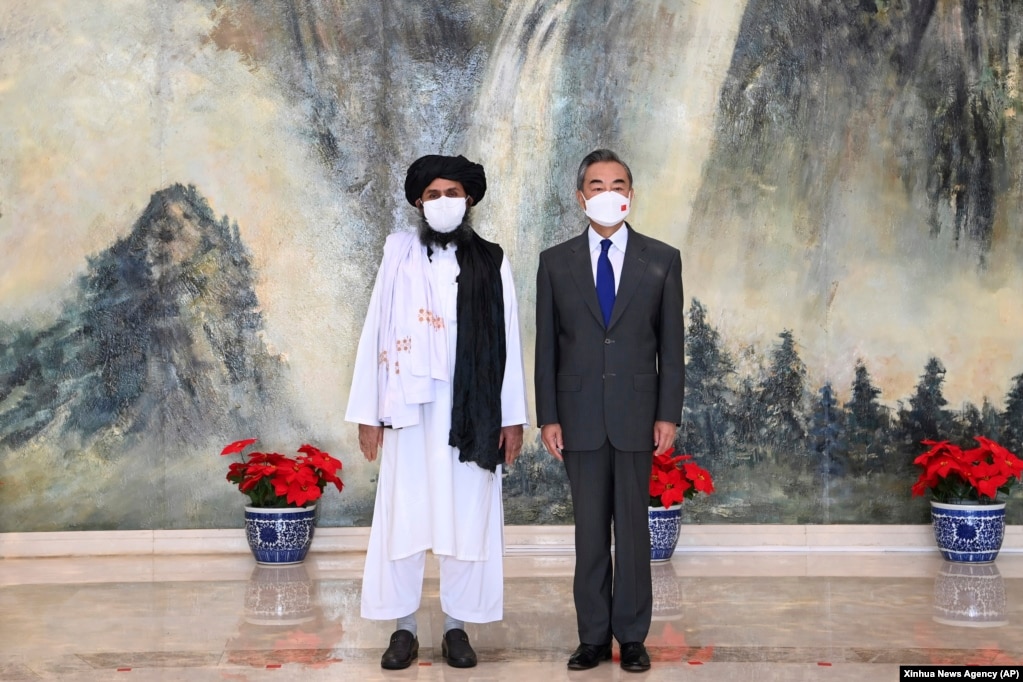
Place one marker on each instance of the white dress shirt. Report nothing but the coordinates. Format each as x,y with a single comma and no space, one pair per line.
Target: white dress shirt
616,254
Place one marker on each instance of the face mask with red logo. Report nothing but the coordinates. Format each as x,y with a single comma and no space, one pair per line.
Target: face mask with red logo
607,208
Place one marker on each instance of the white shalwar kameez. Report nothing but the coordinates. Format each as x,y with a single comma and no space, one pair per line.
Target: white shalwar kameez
426,499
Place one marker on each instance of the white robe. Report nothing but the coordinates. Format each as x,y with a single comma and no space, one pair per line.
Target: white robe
426,499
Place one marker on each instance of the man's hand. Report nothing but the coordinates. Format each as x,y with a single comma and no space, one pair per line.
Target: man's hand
550,434
370,440
511,439
664,436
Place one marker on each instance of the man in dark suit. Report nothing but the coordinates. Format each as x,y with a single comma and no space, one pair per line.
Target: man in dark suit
610,377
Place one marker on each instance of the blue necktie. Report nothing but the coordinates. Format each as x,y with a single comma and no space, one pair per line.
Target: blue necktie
605,282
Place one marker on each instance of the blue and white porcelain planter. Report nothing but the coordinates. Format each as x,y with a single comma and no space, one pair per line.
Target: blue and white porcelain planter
280,536
665,525
968,533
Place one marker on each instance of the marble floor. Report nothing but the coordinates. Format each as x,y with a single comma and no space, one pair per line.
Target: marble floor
727,616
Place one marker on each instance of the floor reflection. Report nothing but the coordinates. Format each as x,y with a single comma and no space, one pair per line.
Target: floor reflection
970,595
715,617
283,621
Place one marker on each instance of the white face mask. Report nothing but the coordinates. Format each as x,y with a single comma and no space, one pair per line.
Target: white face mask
444,214
607,208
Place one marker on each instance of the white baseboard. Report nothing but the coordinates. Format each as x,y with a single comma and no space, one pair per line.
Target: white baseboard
519,540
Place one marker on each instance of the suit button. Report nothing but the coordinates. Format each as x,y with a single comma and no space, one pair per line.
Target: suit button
608,342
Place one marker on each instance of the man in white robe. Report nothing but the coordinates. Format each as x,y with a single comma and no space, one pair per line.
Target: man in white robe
445,412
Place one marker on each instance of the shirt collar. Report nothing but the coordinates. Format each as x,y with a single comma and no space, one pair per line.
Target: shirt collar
620,238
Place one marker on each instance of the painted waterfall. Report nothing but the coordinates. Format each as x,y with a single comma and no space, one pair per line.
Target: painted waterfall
194,196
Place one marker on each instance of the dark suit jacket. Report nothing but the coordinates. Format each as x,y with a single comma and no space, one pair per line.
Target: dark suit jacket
609,383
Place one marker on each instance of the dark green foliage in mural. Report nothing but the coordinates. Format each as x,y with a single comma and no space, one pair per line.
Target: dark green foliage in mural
1012,431
972,420
828,449
536,489
708,398
867,426
783,393
815,461
865,412
927,418
748,416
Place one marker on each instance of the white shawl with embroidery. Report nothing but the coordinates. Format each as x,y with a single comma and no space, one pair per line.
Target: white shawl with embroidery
410,338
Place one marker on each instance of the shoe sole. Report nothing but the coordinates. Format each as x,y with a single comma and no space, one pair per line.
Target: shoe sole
455,662
460,664
635,668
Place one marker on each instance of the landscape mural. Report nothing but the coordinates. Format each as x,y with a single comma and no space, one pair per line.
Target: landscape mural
194,198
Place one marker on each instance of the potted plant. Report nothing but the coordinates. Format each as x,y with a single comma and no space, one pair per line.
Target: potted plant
673,478
282,491
968,488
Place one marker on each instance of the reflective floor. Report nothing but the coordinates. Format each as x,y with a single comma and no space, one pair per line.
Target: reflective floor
734,616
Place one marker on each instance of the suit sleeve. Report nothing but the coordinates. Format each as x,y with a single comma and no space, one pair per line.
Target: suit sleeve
671,361
546,355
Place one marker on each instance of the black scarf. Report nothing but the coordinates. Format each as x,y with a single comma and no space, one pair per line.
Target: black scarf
480,354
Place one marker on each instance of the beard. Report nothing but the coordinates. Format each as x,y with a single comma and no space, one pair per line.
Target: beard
432,239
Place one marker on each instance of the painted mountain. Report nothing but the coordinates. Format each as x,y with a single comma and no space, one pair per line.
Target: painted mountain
158,354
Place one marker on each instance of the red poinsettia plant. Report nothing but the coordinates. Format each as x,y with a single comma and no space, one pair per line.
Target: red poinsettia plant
954,474
674,478
274,480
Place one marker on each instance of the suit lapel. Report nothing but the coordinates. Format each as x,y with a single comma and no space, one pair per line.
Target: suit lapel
582,272
632,274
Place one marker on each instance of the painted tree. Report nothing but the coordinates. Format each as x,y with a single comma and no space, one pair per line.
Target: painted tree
867,424
865,412
783,393
749,416
1012,418
926,417
826,433
973,421
707,399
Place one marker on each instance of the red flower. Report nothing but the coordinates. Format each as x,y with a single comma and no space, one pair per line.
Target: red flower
976,474
941,467
988,478
700,477
673,478
237,446
298,484
920,488
326,466
1006,461
274,480
670,486
254,473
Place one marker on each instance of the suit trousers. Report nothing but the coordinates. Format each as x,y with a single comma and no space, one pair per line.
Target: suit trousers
611,488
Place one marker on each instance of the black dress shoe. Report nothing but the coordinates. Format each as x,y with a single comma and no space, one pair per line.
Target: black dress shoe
588,656
456,649
404,649
634,657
